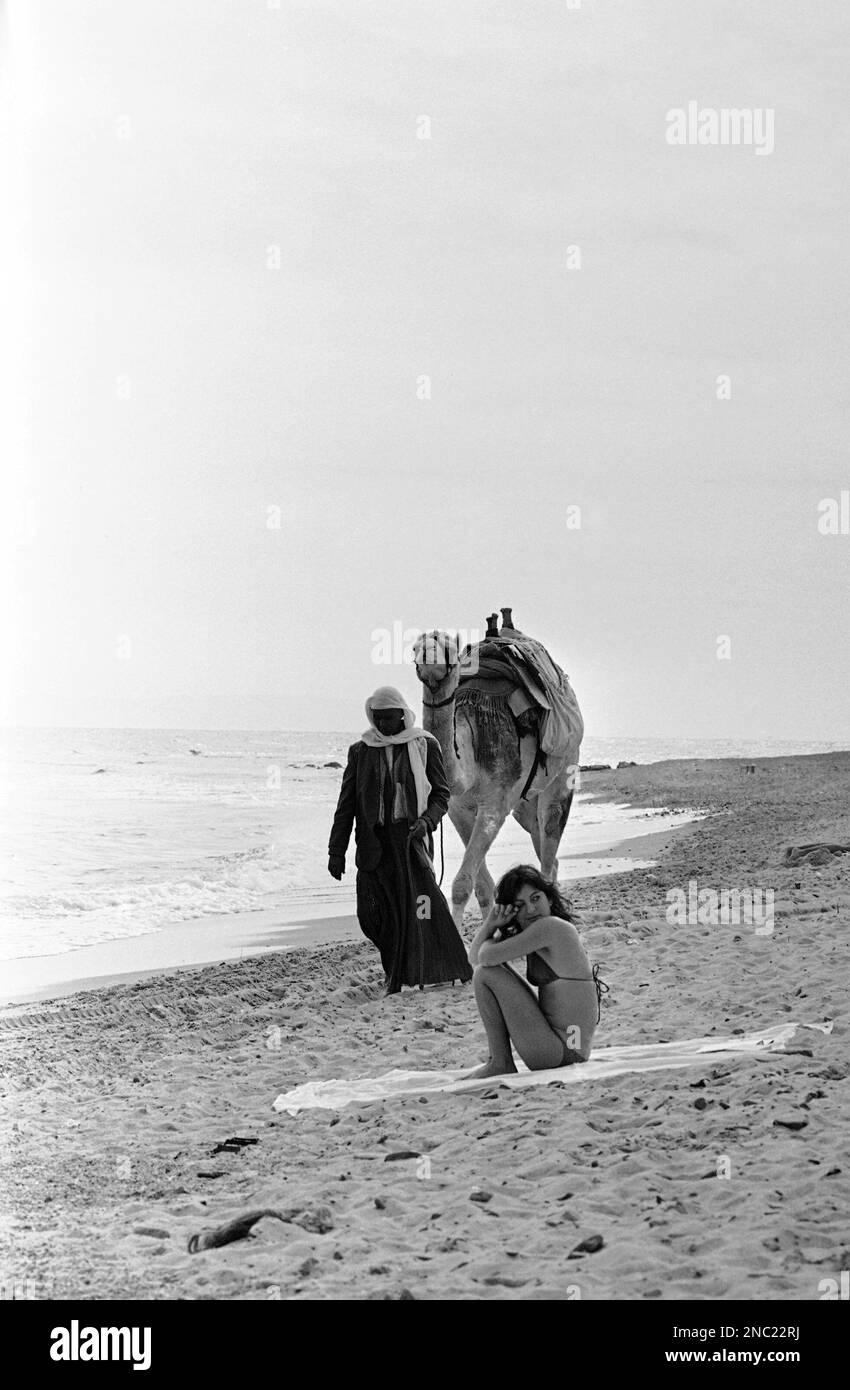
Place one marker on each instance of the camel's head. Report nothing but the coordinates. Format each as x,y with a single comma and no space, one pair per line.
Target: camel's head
435,656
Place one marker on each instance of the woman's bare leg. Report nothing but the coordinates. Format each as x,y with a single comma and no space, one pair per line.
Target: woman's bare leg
501,1058
511,1014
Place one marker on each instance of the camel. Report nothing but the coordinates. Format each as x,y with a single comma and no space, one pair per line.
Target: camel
489,759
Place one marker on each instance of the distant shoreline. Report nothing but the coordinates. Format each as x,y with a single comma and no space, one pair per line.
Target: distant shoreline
745,742
218,938
619,847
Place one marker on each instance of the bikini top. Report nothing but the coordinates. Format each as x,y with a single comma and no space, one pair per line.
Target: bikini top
539,972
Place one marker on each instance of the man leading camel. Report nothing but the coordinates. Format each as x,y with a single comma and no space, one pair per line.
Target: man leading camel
394,794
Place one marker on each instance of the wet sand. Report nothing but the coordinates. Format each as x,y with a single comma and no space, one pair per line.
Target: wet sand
731,1182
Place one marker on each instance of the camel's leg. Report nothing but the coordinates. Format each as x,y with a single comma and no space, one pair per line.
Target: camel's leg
463,820
484,889
525,812
486,826
553,810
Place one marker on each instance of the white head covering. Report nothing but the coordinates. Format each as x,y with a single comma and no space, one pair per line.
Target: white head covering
387,697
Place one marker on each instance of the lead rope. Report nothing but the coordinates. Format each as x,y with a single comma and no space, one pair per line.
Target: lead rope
601,988
442,858
411,853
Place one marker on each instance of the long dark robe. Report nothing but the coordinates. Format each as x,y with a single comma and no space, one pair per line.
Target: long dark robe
402,910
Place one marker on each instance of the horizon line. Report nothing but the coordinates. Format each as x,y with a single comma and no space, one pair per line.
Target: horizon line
269,729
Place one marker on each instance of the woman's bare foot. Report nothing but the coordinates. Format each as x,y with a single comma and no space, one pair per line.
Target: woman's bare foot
489,1069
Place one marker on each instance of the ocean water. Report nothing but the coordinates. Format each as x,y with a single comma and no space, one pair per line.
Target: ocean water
115,833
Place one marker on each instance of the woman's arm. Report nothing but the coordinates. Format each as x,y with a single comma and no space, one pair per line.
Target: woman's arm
496,920
499,952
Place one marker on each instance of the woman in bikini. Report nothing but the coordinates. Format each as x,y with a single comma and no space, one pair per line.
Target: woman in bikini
555,1027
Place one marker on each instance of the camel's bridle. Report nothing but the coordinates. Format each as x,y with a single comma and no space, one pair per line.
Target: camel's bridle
437,704
432,686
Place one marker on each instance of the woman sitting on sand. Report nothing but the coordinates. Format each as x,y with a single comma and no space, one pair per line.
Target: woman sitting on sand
394,793
555,1027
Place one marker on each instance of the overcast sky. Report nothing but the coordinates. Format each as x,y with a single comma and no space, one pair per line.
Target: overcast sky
231,258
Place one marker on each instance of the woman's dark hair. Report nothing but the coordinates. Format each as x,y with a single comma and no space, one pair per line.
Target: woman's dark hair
526,876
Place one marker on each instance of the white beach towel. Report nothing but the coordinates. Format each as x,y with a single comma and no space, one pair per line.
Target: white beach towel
608,1061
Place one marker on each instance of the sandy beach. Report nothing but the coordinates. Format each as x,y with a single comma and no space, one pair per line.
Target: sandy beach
729,1182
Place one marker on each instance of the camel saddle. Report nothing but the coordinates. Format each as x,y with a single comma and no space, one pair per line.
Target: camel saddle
508,676
511,663
494,669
